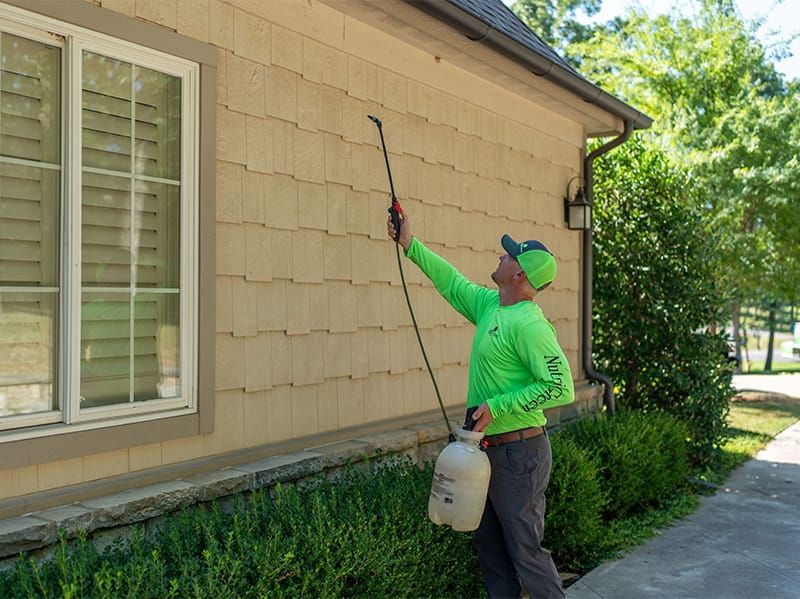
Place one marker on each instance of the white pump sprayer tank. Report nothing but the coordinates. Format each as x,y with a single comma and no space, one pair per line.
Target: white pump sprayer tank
460,483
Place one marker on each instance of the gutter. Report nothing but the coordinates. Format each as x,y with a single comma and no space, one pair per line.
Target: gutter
588,258
539,64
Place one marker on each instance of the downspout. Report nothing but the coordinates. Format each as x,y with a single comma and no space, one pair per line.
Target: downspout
588,363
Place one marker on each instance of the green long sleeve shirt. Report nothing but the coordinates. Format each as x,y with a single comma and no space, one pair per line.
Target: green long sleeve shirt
516,365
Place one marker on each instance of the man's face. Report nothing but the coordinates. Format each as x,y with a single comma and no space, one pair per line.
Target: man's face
506,270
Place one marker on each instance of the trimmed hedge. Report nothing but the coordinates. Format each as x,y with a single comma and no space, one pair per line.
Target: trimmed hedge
643,458
575,500
367,535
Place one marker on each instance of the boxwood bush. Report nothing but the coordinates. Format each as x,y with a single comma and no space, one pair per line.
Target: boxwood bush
575,502
367,535
642,457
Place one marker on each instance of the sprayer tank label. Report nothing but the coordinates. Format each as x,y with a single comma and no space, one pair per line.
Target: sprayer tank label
441,488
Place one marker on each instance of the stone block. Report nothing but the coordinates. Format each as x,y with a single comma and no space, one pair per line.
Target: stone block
251,37
230,250
283,468
342,452
392,441
69,519
142,503
25,533
287,49
218,483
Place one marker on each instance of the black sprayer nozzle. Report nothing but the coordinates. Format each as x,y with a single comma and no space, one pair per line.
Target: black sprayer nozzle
395,210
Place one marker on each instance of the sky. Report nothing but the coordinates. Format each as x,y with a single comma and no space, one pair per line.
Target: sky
783,21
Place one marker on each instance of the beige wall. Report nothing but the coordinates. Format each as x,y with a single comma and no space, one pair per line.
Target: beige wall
312,329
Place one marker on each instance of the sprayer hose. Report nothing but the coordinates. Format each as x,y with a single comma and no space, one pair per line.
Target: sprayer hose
419,338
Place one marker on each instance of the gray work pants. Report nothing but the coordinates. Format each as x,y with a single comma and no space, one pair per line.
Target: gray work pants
511,530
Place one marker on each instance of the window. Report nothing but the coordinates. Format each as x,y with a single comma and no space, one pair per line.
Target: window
98,229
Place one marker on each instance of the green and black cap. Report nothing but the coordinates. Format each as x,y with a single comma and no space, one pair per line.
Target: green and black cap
535,259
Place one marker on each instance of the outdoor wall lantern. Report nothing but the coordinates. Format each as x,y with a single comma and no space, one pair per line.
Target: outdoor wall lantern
578,211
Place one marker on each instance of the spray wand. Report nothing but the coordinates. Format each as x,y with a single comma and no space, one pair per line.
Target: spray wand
396,213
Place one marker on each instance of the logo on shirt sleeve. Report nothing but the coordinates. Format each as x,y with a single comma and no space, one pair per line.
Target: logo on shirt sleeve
556,384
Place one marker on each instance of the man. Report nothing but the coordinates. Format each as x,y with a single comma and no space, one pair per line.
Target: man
516,370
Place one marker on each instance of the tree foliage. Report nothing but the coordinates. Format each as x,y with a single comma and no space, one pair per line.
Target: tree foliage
724,112
655,294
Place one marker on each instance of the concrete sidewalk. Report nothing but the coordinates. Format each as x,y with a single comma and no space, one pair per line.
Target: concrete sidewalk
743,542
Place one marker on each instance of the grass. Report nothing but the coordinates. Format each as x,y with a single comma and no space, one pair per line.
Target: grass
752,424
757,367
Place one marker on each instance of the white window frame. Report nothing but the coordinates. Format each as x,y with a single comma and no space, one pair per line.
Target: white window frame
73,40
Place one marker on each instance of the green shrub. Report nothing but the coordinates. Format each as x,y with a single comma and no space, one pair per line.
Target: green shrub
643,457
368,536
656,292
575,503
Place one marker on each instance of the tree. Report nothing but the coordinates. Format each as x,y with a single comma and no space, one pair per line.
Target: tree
723,112
554,20
655,294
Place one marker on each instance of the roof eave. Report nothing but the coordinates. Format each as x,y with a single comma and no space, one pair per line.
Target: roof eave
535,62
